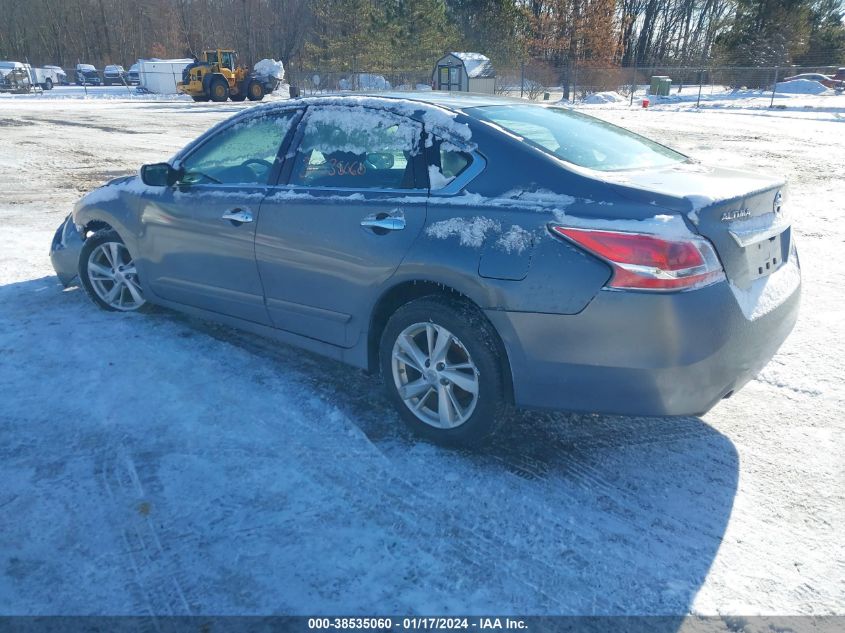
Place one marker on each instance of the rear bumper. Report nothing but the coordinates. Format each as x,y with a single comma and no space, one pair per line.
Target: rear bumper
646,354
64,251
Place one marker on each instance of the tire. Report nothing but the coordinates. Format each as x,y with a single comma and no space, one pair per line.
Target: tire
439,406
255,91
238,97
200,99
218,89
100,276
48,84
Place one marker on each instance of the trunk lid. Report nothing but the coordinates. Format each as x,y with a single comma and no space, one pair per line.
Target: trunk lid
742,214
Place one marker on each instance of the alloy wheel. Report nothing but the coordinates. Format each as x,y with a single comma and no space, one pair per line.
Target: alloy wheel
435,376
113,276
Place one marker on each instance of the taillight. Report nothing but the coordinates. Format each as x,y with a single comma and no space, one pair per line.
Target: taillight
642,261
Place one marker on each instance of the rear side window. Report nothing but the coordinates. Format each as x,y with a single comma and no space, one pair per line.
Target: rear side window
357,148
243,153
580,139
445,163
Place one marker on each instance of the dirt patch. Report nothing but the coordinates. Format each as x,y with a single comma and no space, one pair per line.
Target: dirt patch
14,123
104,128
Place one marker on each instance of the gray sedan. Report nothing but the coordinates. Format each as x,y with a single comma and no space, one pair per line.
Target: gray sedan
478,252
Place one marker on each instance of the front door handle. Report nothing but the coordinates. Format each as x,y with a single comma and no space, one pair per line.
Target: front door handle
384,222
237,216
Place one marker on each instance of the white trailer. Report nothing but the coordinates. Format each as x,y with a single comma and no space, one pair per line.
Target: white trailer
161,75
48,76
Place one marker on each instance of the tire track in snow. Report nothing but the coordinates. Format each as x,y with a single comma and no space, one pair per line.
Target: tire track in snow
158,577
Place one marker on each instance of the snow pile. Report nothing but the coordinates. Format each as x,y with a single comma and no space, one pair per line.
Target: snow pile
366,81
604,97
270,68
801,87
470,231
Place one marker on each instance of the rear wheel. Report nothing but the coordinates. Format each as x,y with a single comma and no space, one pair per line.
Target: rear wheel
255,91
442,370
48,84
108,273
218,89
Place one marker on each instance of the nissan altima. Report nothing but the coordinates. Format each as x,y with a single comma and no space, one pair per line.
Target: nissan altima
478,252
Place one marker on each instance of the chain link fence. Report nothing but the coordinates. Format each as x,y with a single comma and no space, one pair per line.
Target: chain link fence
582,83
321,81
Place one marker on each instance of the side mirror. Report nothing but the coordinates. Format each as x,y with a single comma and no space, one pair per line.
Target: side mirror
159,175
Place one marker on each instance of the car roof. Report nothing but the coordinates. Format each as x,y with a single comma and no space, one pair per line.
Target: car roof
456,101
453,100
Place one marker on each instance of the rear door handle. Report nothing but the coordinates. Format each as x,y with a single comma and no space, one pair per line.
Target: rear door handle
237,216
384,222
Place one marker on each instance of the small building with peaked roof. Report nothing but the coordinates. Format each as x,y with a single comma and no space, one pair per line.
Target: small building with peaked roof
465,72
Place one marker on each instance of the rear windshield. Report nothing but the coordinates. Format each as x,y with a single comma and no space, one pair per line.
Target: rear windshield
579,139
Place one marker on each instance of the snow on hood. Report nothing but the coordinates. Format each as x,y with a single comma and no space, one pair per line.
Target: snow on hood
112,190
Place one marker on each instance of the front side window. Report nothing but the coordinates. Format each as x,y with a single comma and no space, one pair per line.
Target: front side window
243,153
358,148
580,139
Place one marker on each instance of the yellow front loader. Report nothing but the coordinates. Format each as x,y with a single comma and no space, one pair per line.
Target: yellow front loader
217,77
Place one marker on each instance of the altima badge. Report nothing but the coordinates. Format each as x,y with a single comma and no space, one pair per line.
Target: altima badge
738,214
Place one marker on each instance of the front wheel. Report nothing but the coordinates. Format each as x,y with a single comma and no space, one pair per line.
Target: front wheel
218,89
108,273
255,91
443,371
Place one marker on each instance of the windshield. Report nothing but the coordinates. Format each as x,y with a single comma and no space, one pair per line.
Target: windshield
579,139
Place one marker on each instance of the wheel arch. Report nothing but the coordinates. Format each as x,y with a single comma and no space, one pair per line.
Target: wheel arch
409,290
96,219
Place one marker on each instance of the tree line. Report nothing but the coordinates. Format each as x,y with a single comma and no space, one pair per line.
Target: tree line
554,37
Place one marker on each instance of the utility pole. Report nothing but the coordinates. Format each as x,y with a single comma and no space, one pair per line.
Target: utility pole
774,87
522,79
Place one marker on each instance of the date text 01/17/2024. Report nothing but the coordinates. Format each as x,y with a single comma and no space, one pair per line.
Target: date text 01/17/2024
417,623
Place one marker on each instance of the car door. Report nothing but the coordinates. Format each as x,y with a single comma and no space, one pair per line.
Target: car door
199,235
353,203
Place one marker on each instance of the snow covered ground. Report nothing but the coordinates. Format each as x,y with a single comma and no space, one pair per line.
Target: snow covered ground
158,464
